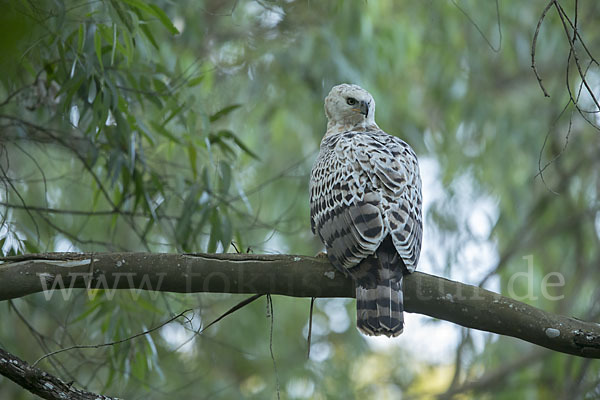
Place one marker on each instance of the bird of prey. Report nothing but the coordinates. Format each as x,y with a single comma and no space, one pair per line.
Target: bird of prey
365,202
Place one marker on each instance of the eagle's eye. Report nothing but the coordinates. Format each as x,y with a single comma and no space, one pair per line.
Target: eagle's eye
351,101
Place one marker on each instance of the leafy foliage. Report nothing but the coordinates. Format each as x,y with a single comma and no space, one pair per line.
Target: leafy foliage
187,126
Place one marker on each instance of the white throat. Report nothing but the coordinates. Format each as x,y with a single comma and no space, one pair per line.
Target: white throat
346,126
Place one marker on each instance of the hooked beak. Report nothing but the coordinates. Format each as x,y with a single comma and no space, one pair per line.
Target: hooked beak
363,108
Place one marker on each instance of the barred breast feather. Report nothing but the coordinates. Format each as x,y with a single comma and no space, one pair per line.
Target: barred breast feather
365,200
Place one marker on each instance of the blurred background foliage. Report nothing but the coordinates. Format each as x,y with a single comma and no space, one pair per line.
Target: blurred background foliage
191,126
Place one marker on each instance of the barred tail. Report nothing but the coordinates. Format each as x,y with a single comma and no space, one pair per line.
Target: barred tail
379,302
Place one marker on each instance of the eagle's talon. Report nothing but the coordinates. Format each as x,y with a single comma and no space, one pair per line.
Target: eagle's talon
321,254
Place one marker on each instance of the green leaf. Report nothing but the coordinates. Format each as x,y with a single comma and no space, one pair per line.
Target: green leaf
149,226
225,174
92,91
159,128
89,311
215,139
184,222
215,232
132,151
160,14
110,36
70,88
30,247
147,305
201,221
195,81
239,239
139,4
111,97
223,112
149,35
80,38
139,188
122,15
128,45
226,232
114,45
111,376
230,135
156,11
138,367
173,114
96,197
160,86
146,132
206,178
98,47
221,231
245,148
192,155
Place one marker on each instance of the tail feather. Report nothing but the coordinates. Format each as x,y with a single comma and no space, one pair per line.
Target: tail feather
390,306
379,301
366,311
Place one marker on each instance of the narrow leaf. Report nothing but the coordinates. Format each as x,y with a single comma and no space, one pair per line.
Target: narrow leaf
192,155
195,81
160,129
160,14
98,47
225,175
114,45
173,114
230,135
139,4
223,112
92,91
149,35
80,38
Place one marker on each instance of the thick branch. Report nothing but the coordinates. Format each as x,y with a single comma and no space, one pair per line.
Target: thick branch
466,305
41,383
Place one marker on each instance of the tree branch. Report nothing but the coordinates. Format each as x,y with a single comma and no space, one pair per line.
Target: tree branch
289,275
41,383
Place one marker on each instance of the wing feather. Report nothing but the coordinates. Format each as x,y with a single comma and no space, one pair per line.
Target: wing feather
364,186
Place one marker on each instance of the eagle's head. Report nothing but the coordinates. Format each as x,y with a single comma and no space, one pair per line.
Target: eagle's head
349,106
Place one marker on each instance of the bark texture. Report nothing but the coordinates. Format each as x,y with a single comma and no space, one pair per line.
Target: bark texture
41,383
290,275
